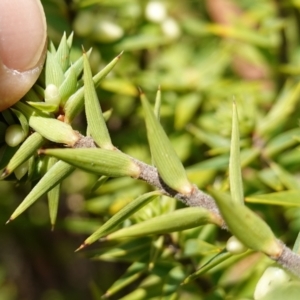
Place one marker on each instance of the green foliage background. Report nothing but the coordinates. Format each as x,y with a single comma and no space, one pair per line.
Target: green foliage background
200,68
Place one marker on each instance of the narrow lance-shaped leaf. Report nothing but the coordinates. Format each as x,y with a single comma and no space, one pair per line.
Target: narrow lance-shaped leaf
54,130
53,196
157,247
178,220
27,149
120,216
74,105
95,119
281,110
54,176
134,272
68,87
249,228
157,103
211,264
165,158
98,161
235,174
53,71
22,119
62,54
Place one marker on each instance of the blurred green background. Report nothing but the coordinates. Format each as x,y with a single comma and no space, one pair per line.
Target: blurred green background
203,55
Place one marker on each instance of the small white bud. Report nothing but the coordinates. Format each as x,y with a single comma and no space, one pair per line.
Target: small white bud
14,135
234,246
106,31
271,278
170,28
52,94
156,11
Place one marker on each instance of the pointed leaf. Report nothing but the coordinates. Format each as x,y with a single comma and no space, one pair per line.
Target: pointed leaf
178,220
296,247
27,149
53,71
44,107
6,154
281,110
68,87
249,228
121,215
54,130
75,103
53,196
22,119
95,119
62,54
99,161
215,261
165,158
281,142
134,272
157,104
284,198
288,179
235,174
185,109
53,177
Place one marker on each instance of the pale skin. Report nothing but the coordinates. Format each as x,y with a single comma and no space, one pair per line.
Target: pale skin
23,39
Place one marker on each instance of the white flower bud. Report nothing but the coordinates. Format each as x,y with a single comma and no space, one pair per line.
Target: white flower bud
234,246
272,277
170,28
52,94
156,11
14,135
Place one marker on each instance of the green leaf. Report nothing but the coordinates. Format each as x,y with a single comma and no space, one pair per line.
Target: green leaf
53,71
69,85
75,103
53,177
280,111
157,104
53,196
287,179
247,227
27,149
111,163
22,119
285,198
120,216
235,173
197,247
186,109
213,264
6,154
296,247
62,54
96,123
128,250
133,273
178,220
281,142
54,130
212,140
269,178
163,154
157,247
43,106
